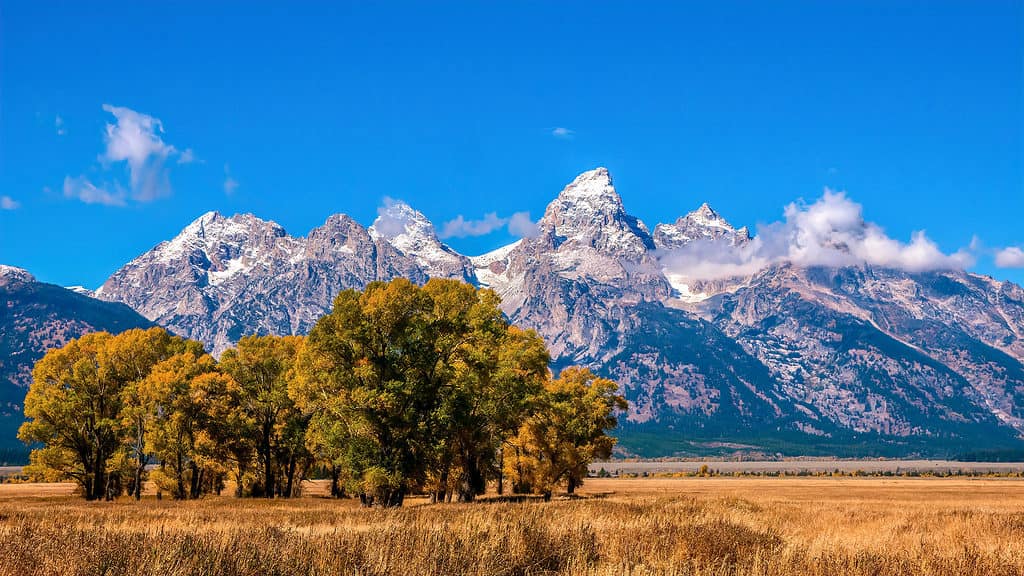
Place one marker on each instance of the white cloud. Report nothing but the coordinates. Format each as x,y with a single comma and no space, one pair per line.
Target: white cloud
460,227
830,232
392,217
230,184
1010,257
562,132
519,224
58,124
82,189
135,139
8,203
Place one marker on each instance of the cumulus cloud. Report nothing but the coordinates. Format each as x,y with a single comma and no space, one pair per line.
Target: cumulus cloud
518,224
135,139
1010,257
392,217
562,132
461,228
8,203
830,232
58,125
82,189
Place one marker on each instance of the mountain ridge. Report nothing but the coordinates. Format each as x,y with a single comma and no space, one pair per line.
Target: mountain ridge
815,353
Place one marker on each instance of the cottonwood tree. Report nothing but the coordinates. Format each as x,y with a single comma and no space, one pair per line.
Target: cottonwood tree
262,366
76,407
184,390
411,386
367,364
566,433
132,355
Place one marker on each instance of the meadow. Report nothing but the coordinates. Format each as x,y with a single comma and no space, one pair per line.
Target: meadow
699,526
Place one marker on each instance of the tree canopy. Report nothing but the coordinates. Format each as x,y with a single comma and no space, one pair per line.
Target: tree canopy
399,389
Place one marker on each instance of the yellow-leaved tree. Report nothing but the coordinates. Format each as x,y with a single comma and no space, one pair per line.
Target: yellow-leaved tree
565,434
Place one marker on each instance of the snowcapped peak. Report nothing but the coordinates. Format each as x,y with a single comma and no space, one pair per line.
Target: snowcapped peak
409,230
396,218
593,186
589,212
701,224
15,273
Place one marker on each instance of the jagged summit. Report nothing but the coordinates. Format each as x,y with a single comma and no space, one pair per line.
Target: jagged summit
704,223
412,233
10,273
826,352
589,212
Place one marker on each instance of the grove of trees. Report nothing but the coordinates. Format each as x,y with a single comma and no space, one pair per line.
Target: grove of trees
399,389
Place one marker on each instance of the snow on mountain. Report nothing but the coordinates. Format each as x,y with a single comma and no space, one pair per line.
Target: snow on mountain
915,361
222,278
12,273
490,268
701,224
412,233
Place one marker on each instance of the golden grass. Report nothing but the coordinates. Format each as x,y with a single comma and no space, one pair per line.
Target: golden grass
695,526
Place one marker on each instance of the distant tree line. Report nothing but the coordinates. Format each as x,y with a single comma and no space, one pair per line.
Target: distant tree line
399,389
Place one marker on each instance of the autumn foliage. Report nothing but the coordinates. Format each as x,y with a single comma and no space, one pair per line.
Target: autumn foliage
399,389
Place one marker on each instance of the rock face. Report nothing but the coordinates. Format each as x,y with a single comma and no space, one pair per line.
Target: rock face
222,278
34,317
849,360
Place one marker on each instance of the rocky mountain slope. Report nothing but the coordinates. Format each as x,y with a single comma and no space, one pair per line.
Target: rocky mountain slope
851,359
34,317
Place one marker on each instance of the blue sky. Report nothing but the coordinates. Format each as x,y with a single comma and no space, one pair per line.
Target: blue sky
915,109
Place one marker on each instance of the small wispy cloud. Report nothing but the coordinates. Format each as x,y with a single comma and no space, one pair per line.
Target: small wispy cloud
519,224
58,125
562,132
85,191
8,203
230,184
461,228
136,140
1010,257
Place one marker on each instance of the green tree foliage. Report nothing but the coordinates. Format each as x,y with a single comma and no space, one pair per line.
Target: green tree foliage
566,433
262,367
411,386
400,388
183,391
83,407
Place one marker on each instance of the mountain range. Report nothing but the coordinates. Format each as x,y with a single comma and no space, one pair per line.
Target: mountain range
846,359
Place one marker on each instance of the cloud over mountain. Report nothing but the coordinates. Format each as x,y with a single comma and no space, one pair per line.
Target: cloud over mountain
831,231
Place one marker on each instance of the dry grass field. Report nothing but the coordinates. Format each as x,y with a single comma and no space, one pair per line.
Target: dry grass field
699,526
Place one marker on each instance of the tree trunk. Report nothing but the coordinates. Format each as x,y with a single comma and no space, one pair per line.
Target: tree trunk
571,488
99,477
290,476
473,482
197,480
239,475
180,472
268,469
442,486
335,473
501,471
